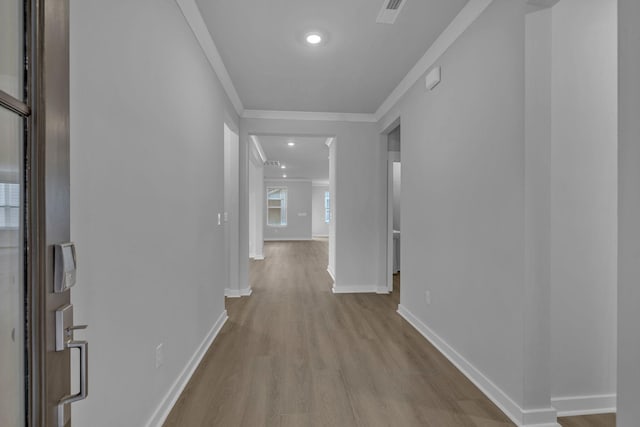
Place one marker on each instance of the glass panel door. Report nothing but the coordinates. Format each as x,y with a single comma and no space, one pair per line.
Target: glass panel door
12,48
12,289
12,260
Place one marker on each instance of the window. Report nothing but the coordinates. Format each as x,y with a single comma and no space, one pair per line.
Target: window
9,205
277,206
327,207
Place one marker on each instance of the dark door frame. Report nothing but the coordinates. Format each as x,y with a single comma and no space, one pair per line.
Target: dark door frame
45,109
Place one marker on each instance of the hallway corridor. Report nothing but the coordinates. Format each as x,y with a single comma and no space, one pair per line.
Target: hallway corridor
295,354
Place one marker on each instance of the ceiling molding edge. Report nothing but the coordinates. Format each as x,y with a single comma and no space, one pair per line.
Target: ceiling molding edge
194,19
308,115
258,148
455,29
543,4
320,183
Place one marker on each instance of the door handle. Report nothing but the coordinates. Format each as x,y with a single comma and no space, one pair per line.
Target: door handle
83,348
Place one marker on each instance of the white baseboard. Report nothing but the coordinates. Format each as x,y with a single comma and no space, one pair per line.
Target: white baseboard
333,276
545,417
571,406
382,290
354,289
162,411
286,239
259,257
321,235
237,293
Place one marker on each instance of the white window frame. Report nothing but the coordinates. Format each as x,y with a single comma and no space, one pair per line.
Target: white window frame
283,206
7,206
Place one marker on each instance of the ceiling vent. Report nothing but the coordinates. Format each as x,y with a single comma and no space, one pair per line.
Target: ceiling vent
272,163
390,11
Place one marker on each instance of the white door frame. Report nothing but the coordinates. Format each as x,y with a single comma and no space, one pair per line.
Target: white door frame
257,157
230,217
392,157
386,276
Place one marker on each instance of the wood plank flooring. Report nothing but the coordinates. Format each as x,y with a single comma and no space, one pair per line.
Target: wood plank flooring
602,420
294,354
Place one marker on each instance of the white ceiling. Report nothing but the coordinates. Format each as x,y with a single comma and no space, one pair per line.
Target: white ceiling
308,159
261,44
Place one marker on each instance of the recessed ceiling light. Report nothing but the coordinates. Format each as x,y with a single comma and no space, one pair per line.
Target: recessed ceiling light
291,144
284,176
313,38
283,167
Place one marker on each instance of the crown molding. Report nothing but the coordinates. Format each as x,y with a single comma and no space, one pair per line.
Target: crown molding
192,14
309,115
543,4
456,28
321,183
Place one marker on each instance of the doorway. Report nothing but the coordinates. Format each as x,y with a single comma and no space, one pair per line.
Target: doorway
230,216
394,204
34,211
290,194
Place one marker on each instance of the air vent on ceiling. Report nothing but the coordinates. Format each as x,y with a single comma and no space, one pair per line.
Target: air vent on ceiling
273,163
390,11
393,4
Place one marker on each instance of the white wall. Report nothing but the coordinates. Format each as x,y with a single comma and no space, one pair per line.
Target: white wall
256,204
537,192
360,201
331,267
397,194
463,210
147,118
629,225
298,211
584,203
253,171
318,226
230,215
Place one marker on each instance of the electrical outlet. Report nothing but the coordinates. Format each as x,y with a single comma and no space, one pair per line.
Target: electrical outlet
427,297
159,355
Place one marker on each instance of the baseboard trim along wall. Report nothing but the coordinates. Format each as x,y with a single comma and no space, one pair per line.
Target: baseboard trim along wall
162,411
333,277
287,239
237,293
585,405
259,257
546,417
354,289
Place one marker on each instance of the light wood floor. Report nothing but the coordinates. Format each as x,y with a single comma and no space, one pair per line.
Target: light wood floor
295,354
